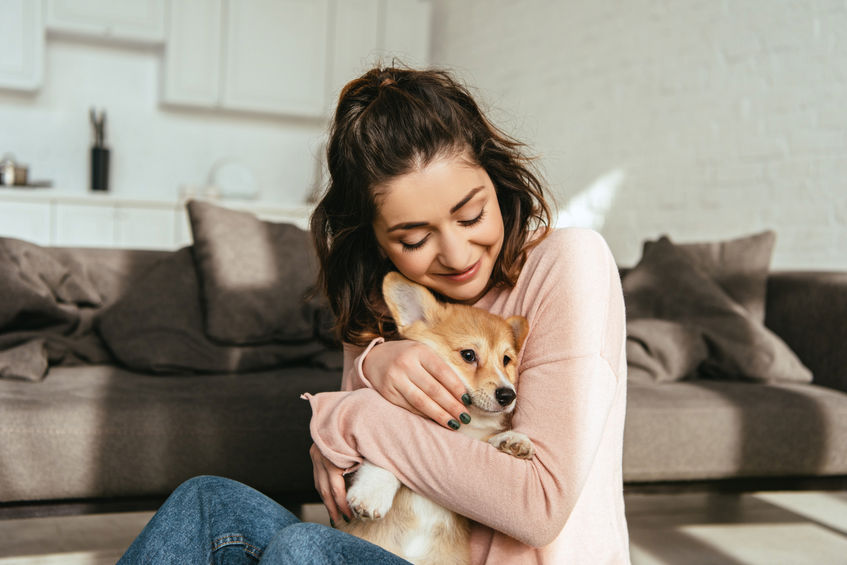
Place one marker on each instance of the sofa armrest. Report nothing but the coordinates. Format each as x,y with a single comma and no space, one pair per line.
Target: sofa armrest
808,311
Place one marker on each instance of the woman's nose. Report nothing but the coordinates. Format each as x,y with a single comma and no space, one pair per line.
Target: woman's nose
454,251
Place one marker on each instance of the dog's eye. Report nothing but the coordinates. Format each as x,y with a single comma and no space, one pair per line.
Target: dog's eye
506,360
468,355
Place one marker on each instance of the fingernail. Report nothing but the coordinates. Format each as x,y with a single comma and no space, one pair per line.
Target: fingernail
346,519
453,424
465,418
332,522
466,399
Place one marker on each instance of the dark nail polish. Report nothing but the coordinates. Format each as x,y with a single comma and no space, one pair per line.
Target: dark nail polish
465,418
346,519
453,424
466,399
332,522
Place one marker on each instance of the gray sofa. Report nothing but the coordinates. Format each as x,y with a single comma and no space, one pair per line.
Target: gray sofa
93,429
768,433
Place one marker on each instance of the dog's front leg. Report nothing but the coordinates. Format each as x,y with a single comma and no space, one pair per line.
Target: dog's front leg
515,444
372,492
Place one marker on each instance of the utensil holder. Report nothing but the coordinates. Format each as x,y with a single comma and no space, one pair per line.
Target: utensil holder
99,168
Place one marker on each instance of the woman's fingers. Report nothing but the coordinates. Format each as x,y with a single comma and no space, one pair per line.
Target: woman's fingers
329,482
423,404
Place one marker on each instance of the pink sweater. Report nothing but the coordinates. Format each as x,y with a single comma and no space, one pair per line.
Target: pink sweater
565,505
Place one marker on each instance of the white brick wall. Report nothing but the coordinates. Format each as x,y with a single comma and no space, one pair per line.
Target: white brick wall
704,119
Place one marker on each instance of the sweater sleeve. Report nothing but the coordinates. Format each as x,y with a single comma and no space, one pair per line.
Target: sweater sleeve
353,377
567,387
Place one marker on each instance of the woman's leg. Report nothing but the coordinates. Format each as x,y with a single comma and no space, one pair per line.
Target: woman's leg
314,544
209,520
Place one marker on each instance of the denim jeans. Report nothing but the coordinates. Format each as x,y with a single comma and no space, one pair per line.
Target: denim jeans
211,520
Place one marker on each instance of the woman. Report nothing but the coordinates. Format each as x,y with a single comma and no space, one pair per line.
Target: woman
422,183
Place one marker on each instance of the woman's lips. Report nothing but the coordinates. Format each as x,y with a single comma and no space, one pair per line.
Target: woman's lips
467,274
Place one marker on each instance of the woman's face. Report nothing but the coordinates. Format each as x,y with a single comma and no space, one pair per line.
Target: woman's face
441,226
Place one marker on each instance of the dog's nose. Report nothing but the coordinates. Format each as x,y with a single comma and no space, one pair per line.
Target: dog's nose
504,396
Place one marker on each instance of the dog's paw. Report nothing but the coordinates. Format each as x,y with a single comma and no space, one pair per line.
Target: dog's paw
372,493
515,444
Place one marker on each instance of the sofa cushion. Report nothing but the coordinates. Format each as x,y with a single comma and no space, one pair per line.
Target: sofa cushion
740,266
45,311
667,285
700,429
100,431
157,326
257,277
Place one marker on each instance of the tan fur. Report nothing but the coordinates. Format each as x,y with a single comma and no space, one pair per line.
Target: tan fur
450,329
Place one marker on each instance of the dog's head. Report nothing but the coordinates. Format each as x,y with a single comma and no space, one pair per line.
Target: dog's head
482,348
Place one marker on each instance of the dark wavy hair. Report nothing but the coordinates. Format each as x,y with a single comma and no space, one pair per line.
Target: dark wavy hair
389,122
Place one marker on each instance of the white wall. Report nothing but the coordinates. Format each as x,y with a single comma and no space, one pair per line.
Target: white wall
699,119
155,149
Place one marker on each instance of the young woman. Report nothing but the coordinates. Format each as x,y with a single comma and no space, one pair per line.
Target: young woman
422,183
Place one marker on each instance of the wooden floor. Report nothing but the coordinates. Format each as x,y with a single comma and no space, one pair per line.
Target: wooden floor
792,528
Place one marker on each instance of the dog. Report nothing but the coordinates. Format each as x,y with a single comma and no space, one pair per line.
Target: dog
482,349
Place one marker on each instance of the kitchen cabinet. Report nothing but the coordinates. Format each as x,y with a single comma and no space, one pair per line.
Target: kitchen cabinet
275,56
49,217
131,20
84,225
258,56
192,68
26,220
285,57
21,44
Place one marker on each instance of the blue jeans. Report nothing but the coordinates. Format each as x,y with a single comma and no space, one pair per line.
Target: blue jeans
211,520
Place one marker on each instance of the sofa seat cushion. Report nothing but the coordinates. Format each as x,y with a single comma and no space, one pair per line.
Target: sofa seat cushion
101,431
698,430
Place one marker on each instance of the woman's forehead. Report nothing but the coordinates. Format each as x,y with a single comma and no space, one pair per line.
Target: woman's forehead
437,188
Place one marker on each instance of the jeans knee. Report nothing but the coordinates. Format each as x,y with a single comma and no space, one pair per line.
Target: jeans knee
202,487
303,543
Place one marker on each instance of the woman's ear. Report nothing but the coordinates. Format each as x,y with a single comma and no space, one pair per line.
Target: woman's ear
408,302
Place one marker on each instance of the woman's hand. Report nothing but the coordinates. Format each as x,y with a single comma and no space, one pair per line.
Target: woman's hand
413,376
329,480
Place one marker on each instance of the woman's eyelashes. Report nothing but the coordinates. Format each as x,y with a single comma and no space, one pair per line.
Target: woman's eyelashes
463,223
413,246
473,221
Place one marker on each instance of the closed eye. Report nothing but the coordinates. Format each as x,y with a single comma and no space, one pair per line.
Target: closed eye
413,246
472,221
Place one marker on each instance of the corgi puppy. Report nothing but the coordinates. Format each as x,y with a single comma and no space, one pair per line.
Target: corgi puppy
482,349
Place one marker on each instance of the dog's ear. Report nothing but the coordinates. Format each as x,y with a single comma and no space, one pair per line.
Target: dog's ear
407,301
520,327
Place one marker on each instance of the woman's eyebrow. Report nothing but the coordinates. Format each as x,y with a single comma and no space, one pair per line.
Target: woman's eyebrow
453,210
466,199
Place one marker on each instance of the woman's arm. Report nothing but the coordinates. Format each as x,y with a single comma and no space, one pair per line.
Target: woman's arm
570,371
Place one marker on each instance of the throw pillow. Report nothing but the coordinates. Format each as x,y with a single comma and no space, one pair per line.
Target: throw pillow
256,277
663,350
667,285
157,326
44,311
740,266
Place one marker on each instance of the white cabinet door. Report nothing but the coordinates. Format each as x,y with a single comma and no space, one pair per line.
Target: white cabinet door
21,44
85,225
134,20
25,220
145,228
406,32
193,53
275,56
356,41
